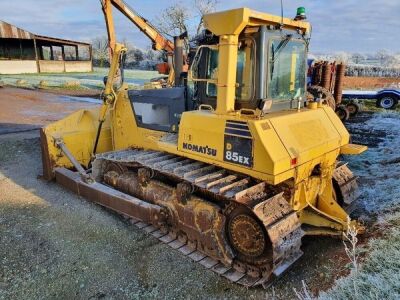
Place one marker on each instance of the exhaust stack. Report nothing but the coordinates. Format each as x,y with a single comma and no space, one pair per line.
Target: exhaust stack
178,60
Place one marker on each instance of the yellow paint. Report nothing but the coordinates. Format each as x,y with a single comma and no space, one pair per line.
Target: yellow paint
287,145
353,149
235,20
78,131
312,105
226,83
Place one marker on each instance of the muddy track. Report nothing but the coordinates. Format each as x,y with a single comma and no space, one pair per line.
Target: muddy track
134,172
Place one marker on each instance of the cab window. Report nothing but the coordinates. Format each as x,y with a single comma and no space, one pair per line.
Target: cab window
287,69
244,74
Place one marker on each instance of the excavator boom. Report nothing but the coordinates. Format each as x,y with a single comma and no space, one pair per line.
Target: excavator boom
159,41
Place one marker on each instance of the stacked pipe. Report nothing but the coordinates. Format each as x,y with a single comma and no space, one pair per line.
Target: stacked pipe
316,73
329,76
340,72
326,75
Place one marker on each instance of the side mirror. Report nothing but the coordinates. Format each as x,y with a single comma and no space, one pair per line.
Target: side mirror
105,80
266,105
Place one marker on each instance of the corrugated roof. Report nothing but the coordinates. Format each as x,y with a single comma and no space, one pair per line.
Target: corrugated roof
9,31
61,41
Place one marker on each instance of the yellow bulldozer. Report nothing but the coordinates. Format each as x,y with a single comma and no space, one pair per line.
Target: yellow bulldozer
231,166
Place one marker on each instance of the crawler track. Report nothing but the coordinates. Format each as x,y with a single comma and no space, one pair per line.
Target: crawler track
234,225
252,233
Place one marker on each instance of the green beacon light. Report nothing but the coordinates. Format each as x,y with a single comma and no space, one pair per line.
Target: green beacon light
301,14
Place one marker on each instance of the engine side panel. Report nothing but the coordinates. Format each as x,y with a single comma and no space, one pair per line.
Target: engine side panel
272,148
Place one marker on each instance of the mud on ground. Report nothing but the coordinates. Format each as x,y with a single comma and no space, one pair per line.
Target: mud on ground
24,110
57,245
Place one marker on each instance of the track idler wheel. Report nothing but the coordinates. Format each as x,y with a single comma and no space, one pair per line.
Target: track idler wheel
248,238
101,168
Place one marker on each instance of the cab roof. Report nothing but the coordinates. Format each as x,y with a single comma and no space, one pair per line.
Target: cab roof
235,20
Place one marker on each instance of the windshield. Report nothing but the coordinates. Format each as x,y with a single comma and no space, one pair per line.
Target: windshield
287,69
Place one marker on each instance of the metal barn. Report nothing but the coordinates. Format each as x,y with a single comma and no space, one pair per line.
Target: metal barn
24,52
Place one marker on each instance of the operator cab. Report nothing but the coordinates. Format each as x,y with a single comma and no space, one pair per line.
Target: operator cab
270,71
271,65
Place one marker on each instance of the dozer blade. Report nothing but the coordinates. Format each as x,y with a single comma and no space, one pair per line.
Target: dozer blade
77,132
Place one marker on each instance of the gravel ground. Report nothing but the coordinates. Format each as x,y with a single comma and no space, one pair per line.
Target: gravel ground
55,245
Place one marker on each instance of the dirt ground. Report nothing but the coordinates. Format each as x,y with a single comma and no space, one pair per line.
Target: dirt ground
369,83
23,109
57,245
79,93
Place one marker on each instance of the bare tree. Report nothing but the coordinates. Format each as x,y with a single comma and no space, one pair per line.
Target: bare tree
343,57
381,55
177,18
204,7
386,59
357,58
173,21
380,64
100,50
397,58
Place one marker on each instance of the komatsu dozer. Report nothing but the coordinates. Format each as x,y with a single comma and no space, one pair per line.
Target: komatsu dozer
231,166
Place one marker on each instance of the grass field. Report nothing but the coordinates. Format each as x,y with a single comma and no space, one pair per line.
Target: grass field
378,274
93,80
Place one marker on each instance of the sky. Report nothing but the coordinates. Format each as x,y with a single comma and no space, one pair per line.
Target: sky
364,26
